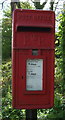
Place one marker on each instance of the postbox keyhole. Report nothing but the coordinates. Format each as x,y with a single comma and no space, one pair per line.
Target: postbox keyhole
22,77
35,52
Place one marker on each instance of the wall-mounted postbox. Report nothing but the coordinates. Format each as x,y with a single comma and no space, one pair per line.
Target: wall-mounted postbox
33,59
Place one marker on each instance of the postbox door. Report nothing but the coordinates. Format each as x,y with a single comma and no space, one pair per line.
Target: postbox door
26,94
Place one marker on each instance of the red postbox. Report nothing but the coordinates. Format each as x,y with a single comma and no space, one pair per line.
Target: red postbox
33,59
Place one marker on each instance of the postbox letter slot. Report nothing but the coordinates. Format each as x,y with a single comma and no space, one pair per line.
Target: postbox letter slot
32,28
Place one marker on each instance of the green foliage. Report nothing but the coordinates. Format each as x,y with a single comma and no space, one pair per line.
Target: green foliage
55,113
63,45
26,5
60,69
6,35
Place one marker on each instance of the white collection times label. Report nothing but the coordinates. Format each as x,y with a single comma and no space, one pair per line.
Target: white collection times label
34,74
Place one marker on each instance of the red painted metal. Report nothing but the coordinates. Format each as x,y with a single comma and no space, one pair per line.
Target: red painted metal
33,29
